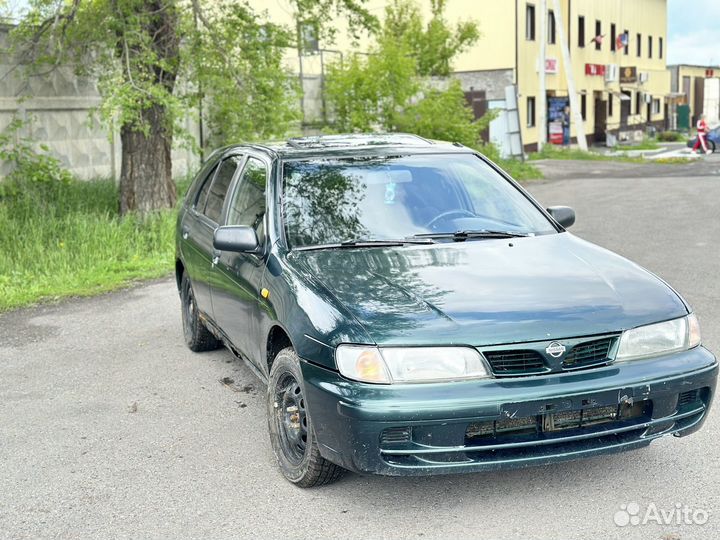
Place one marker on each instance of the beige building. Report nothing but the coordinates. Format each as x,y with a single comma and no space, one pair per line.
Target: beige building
622,88
697,89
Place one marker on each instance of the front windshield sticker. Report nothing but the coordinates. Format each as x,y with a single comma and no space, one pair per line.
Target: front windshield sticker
390,193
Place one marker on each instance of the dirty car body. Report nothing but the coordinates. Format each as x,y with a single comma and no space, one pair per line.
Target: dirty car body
441,319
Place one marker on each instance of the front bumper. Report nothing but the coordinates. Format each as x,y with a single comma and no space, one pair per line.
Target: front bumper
503,423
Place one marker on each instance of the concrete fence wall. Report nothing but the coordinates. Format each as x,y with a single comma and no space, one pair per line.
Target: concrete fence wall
58,110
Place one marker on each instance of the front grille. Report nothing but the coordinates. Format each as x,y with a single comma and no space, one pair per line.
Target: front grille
589,353
515,362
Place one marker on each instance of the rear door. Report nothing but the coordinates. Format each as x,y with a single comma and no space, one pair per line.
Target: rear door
198,228
236,288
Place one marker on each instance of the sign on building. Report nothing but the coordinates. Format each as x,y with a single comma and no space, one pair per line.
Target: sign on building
551,65
595,70
628,75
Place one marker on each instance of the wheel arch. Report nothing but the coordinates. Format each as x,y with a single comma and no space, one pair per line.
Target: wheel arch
179,270
277,339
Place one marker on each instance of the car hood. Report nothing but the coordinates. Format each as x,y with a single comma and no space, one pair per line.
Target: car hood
487,292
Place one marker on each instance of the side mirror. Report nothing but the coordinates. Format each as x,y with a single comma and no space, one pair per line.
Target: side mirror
236,238
564,215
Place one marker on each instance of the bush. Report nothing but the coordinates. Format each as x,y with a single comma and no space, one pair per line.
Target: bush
444,115
670,136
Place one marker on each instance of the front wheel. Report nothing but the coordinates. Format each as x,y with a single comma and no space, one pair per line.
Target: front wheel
291,429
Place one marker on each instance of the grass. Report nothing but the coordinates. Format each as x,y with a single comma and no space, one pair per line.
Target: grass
645,144
59,240
558,152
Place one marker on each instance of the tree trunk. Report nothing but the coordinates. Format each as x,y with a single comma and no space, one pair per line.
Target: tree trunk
146,182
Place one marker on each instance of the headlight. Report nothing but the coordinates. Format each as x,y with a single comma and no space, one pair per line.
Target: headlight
661,338
389,365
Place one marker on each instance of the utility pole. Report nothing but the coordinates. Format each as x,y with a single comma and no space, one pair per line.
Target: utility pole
574,104
542,105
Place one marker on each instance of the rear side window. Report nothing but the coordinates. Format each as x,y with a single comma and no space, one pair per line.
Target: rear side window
202,195
219,188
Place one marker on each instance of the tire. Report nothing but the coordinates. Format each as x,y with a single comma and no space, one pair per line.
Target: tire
197,337
291,430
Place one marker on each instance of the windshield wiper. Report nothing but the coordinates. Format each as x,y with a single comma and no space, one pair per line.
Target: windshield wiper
363,242
461,236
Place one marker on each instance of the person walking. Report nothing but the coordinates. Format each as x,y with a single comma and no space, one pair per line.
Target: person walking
702,130
565,119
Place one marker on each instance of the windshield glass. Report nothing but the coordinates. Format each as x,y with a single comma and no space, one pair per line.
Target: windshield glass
328,201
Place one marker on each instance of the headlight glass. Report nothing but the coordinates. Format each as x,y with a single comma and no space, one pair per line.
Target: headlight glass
409,364
661,338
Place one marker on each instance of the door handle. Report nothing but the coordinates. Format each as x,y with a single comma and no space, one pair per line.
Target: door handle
185,232
216,258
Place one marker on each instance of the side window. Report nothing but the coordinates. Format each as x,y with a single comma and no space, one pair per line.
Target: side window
219,187
202,195
248,203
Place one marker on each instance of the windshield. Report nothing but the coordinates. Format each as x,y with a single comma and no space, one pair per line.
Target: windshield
328,201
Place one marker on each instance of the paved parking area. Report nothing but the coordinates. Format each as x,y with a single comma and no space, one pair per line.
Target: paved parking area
110,428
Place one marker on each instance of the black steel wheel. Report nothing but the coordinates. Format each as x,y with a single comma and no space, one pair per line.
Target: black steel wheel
290,425
197,337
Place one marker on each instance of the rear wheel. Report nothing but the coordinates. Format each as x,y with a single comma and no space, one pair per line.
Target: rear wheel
197,337
291,429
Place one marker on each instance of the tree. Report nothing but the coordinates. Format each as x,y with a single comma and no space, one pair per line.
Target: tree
389,89
434,44
138,50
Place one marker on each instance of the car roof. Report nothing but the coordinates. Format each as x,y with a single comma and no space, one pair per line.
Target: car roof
352,144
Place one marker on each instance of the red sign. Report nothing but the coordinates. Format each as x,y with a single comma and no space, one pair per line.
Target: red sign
709,73
595,69
551,65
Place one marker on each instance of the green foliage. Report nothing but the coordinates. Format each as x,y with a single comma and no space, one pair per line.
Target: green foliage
671,136
237,65
368,93
434,44
444,115
66,239
388,90
28,162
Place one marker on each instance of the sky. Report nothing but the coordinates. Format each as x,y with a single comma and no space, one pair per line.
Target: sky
693,30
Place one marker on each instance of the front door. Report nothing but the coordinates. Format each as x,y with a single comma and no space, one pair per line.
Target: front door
625,104
236,286
600,119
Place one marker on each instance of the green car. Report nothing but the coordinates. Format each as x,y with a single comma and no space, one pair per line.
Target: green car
414,311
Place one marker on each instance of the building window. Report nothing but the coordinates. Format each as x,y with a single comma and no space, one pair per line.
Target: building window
530,22
626,35
581,31
551,27
598,33
613,36
650,44
638,103
583,106
530,111
610,105
656,106
639,45
660,47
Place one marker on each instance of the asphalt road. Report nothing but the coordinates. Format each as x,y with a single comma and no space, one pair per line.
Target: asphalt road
111,428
